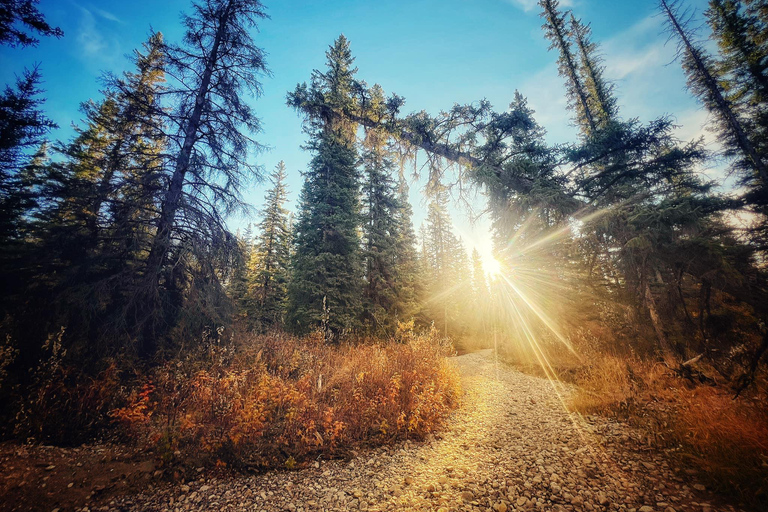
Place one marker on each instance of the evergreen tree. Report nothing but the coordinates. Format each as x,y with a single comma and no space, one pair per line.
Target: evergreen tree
326,279
743,62
93,220
742,71
409,284
380,227
556,30
242,285
598,90
133,176
20,19
640,174
481,301
449,282
23,126
209,138
272,250
704,83
460,275
732,86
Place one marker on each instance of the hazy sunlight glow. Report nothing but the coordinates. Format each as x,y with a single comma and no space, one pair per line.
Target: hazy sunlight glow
491,265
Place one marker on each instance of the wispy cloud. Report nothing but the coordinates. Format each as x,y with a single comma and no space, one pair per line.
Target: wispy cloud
107,15
637,50
691,125
90,39
649,82
93,45
529,5
546,95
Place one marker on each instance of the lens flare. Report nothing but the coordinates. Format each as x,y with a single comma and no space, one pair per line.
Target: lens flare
492,266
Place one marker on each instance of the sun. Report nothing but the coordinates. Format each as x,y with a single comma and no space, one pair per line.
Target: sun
491,265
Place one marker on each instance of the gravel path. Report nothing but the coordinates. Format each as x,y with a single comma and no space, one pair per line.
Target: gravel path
511,446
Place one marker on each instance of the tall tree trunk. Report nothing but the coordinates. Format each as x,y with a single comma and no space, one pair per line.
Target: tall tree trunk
162,241
571,71
650,303
721,104
102,189
151,308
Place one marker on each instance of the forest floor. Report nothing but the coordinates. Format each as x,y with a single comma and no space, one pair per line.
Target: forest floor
510,446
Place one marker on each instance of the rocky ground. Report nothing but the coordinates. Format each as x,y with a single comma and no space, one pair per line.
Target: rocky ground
46,478
511,446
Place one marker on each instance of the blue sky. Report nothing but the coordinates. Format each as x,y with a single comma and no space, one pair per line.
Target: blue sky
432,52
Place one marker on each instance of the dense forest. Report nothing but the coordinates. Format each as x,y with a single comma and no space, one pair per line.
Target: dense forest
132,311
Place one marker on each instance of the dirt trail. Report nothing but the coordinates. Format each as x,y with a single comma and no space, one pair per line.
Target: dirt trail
511,446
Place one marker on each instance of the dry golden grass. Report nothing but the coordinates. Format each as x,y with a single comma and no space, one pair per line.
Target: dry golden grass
725,439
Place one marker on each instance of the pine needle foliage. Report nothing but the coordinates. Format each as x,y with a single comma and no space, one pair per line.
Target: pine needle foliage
326,273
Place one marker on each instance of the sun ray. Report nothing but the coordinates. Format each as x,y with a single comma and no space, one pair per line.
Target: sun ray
546,320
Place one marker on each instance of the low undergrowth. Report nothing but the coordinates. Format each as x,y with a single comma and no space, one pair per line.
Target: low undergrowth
692,414
725,439
277,400
250,402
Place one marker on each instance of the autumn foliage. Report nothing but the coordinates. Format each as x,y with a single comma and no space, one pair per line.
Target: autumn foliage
276,400
725,439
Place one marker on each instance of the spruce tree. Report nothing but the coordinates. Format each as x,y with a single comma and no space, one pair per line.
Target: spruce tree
640,175
449,280
460,277
272,251
90,222
480,296
704,83
242,284
326,277
743,62
598,90
556,30
116,162
133,179
380,226
20,21
409,281
23,127
742,70
210,139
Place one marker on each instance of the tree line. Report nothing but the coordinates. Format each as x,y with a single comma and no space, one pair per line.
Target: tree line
621,219
119,236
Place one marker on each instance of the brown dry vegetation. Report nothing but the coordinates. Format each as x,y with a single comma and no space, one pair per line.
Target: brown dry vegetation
726,439
277,400
693,414
252,402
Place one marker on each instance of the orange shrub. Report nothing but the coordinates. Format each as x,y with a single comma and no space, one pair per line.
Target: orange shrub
278,399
